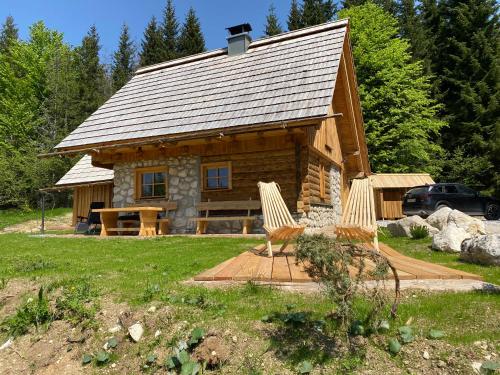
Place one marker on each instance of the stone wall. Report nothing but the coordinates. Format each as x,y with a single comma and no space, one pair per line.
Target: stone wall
183,187
323,215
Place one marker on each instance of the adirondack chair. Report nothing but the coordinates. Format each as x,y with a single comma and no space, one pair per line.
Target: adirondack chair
358,220
278,222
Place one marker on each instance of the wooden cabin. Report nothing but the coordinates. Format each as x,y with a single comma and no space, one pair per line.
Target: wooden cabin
89,184
208,127
389,190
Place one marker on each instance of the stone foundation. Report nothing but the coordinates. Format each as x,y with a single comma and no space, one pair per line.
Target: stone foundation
183,181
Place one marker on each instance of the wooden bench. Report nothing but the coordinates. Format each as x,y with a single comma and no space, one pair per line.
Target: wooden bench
207,207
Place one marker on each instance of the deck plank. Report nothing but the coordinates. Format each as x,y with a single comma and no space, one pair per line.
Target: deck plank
209,274
281,271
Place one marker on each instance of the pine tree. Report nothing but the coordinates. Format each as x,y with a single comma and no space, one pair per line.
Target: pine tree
191,40
411,28
294,21
8,35
91,74
170,31
273,26
123,60
315,12
152,48
400,117
352,3
430,20
467,65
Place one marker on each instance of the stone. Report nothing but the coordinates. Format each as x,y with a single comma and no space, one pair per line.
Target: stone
136,331
152,309
402,227
483,249
115,329
449,239
468,223
425,355
439,219
7,344
441,364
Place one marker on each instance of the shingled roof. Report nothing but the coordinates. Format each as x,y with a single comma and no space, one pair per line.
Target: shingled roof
83,172
282,78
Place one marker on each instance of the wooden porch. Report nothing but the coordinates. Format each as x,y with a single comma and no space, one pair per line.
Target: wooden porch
255,265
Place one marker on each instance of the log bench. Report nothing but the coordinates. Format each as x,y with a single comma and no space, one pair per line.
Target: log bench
222,208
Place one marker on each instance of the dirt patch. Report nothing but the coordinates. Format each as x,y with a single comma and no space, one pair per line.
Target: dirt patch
12,294
213,351
31,226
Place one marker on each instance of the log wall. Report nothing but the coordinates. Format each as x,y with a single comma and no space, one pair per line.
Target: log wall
84,195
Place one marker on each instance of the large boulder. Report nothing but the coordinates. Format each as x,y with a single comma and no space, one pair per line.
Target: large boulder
402,227
483,249
439,219
471,225
449,239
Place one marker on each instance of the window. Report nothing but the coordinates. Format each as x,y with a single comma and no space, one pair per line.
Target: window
216,176
450,189
151,183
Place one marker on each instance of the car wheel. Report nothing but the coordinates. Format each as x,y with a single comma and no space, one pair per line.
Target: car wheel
492,212
441,205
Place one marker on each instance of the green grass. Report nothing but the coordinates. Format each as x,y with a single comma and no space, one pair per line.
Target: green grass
138,271
421,249
17,216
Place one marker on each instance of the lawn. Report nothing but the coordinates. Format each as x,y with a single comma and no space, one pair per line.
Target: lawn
137,271
15,216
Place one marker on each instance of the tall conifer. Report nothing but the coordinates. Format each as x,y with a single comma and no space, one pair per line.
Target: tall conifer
123,60
411,28
314,12
273,26
152,48
170,31
191,40
8,35
294,21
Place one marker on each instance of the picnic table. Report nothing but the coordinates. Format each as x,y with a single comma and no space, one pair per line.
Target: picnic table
147,215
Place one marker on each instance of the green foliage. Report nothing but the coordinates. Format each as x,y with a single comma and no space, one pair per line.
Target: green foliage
406,334
273,26
191,40
86,359
8,35
102,358
34,312
467,70
123,60
435,334
294,21
152,45
399,114
77,302
394,346
305,367
412,28
314,12
150,292
329,262
489,367
418,232
170,32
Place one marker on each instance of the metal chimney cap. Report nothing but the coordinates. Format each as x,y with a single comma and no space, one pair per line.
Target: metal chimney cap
239,29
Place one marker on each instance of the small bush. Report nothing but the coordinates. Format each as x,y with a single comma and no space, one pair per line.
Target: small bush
27,265
419,231
331,262
34,312
77,303
151,291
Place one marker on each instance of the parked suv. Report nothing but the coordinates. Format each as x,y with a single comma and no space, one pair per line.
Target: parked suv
424,200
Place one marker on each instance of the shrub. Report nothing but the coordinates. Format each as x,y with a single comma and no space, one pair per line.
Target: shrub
419,231
34,312
77,302
331,263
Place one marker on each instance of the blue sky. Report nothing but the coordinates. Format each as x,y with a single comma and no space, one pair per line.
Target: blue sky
74,17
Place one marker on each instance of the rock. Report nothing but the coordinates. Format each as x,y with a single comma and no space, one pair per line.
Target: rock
235,339
483,249
401,227
476,366
152,309
425,355
115,329
449,239
136,331
157,333
7,344
468,223
441,364
439,219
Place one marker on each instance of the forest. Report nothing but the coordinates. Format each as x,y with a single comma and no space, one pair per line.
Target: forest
428,75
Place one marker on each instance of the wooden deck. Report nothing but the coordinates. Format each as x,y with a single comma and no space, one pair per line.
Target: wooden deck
257,266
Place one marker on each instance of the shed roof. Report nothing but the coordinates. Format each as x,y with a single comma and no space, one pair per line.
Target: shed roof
287,77
83,172
400,180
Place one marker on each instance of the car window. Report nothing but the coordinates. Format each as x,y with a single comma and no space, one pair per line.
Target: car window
450,189
466,190
418,191
437,189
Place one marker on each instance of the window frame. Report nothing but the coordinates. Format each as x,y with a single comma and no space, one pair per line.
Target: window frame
139,172
204,178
